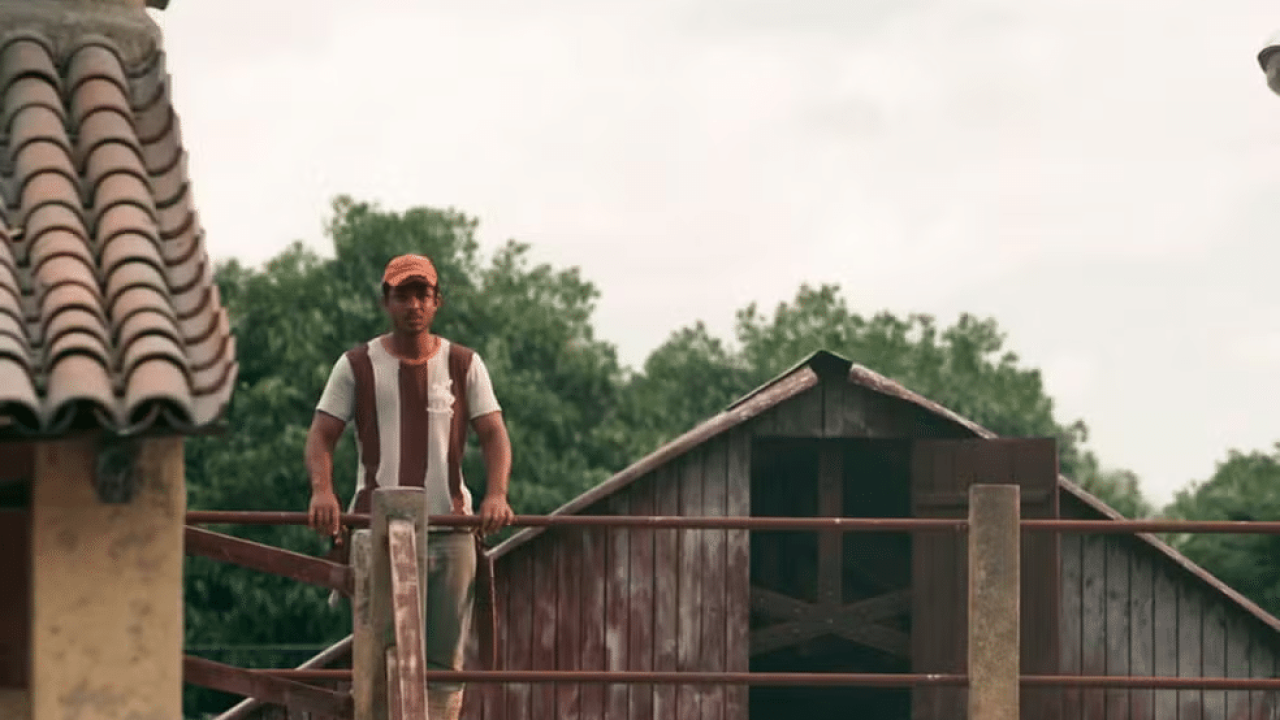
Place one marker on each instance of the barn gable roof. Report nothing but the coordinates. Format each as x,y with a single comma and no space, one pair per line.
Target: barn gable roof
807,374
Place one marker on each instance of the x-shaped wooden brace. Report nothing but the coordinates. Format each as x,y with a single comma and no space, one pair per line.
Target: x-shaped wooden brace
855,622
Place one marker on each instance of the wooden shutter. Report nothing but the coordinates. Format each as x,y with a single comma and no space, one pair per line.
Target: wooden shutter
941,473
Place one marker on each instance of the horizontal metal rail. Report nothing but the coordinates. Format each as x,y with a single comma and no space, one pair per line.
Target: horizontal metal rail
797,679
236,517
1110,527
629,677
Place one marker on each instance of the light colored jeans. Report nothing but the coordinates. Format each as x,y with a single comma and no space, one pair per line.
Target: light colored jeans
451,574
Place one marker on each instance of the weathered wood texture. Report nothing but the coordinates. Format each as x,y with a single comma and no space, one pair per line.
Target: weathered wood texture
942,472
631,599
1128,610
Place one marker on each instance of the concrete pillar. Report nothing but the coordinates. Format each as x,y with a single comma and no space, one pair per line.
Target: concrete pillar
994,587
106,634
15,704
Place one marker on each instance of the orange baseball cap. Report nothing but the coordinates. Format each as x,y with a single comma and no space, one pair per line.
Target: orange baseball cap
403,268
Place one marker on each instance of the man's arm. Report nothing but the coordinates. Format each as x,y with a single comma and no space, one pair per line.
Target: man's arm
322,438
495,511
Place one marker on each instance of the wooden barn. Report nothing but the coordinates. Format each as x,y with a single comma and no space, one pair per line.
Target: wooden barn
830,438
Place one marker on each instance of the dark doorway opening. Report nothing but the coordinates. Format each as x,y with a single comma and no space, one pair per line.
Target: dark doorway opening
826,602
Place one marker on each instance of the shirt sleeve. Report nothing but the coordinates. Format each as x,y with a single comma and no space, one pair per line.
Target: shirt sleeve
480,397
339,396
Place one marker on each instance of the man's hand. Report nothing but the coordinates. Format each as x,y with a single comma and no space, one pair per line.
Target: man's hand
324,513
495,514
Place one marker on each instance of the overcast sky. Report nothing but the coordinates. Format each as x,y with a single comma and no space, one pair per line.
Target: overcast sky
1101,176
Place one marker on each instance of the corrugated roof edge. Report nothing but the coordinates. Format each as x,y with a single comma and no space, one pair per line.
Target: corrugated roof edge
801,377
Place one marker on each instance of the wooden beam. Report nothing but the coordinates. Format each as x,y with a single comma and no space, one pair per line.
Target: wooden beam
846,622
830,542
273,560
290,694
406,603
323,659
395,709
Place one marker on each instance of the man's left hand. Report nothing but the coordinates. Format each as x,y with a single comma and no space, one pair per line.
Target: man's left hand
495,514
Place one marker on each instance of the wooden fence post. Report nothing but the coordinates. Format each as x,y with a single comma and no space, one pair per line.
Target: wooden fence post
364,662
396,503
994,587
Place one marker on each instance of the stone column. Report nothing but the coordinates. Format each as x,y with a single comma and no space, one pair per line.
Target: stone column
994,590
106,633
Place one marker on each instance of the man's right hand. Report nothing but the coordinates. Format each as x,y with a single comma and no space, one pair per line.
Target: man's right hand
324,514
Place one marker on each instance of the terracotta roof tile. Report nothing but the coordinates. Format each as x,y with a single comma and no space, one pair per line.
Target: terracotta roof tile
109,315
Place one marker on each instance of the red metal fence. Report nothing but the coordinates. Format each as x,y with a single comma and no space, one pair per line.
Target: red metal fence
309,687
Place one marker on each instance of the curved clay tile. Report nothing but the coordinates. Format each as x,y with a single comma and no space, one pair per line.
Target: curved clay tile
177,216
189,274
63,321
132,274
16,350
17,388
150,346
103,125
95,95
48,187
35,123
108,158
202,325
161,152
180,248
77,342
141,298
211,350
77,379
55,241
22,56
96,59
157,379
133,326
69,295
128,247
15,328
58,270
11,304
41,157
120,189
215,378
125,218
171,185
30,92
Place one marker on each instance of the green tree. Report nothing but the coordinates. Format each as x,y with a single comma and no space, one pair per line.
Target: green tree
965,366
1242,488
294,316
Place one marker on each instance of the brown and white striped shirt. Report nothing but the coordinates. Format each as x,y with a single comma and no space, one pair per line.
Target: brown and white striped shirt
401,389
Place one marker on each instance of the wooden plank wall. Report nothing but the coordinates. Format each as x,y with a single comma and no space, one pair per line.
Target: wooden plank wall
631,599
1128,610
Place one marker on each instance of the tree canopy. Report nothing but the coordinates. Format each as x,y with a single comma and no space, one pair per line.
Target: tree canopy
574,413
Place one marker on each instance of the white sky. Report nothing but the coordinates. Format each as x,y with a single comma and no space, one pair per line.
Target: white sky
1101,176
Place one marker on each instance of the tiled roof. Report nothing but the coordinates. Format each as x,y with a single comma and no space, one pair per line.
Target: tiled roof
109,316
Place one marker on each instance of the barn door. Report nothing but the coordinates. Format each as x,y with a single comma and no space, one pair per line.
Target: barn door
941,473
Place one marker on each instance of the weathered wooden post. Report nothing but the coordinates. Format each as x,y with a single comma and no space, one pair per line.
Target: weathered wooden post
364,662
994,587
391,505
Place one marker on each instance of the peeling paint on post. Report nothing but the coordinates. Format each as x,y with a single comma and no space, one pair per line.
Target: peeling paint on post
363,650
994,586
388,504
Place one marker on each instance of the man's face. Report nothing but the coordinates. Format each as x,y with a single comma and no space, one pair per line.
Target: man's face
412,306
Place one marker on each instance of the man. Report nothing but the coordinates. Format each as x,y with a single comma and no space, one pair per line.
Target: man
410,394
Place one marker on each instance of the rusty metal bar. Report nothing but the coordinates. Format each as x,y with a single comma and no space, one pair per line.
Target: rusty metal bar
799,679
237,517
259,517
1152,682
268,559
1269,527
657,678
265,687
